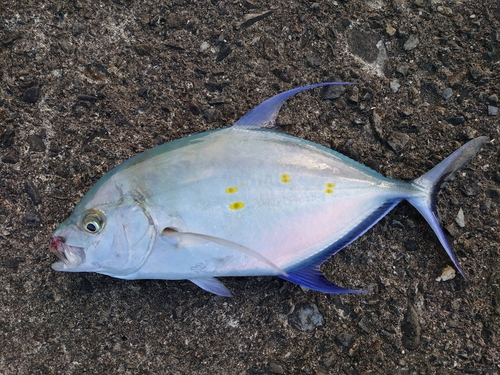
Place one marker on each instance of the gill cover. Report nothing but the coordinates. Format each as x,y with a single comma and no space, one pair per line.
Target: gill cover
133,235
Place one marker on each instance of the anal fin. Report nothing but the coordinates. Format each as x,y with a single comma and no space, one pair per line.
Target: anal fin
212,285
311,277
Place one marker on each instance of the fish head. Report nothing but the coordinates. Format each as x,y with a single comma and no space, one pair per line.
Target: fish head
114,239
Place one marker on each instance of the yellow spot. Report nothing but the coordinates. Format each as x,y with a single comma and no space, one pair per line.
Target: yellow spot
330,185
329,191
285,178
236,205
244,184
231,190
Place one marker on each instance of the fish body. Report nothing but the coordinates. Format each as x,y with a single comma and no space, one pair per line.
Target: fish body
239,201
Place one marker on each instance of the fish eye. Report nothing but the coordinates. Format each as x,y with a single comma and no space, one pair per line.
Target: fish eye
93,221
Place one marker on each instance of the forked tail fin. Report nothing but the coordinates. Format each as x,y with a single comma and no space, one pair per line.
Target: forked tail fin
434,180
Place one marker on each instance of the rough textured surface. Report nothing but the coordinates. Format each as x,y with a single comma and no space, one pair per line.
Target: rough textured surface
84,85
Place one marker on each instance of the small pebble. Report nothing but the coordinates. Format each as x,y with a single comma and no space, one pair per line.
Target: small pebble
395,86
332,92
407,112
448,273
411,245
456,120
11,37
205,46
496,177
353,98
276,368
286,74
175,21
496,301
447,93
12,263
11,157
65,46
476,72
494,193
460,219
492,110
365,325
397,224
397,141
7,138
31,95
305,317
87,98
403,69
345,339
411,43
493,99
36,143
143,49
224,51
445,10
249,19
313,61
194,108
86,286
143,92
410,329
390,30
452,230
77,29
212,114
31,218
32,193
376,119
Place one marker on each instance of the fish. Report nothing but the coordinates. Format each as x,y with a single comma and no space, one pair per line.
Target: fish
244,200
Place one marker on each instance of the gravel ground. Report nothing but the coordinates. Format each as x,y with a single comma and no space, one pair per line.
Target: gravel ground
84,85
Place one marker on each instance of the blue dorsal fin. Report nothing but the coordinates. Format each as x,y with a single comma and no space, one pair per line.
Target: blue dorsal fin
264,115
311,277
212,285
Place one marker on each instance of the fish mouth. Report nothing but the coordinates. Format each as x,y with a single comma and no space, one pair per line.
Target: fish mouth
69,256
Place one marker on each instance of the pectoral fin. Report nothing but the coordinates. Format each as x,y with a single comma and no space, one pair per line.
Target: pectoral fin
212,285
193,239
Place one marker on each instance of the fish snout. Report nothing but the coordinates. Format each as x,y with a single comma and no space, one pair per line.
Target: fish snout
55,241
70,256
57,245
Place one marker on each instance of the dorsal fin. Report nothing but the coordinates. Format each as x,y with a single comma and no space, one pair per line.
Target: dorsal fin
264,115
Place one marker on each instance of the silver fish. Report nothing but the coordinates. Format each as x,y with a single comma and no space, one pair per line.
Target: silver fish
239,201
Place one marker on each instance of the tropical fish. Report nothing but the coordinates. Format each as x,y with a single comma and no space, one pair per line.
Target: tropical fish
239,201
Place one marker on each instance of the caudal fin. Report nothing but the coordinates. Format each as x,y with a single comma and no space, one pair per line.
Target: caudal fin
434,180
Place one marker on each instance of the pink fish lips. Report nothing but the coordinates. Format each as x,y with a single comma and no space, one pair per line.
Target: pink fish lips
69,256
